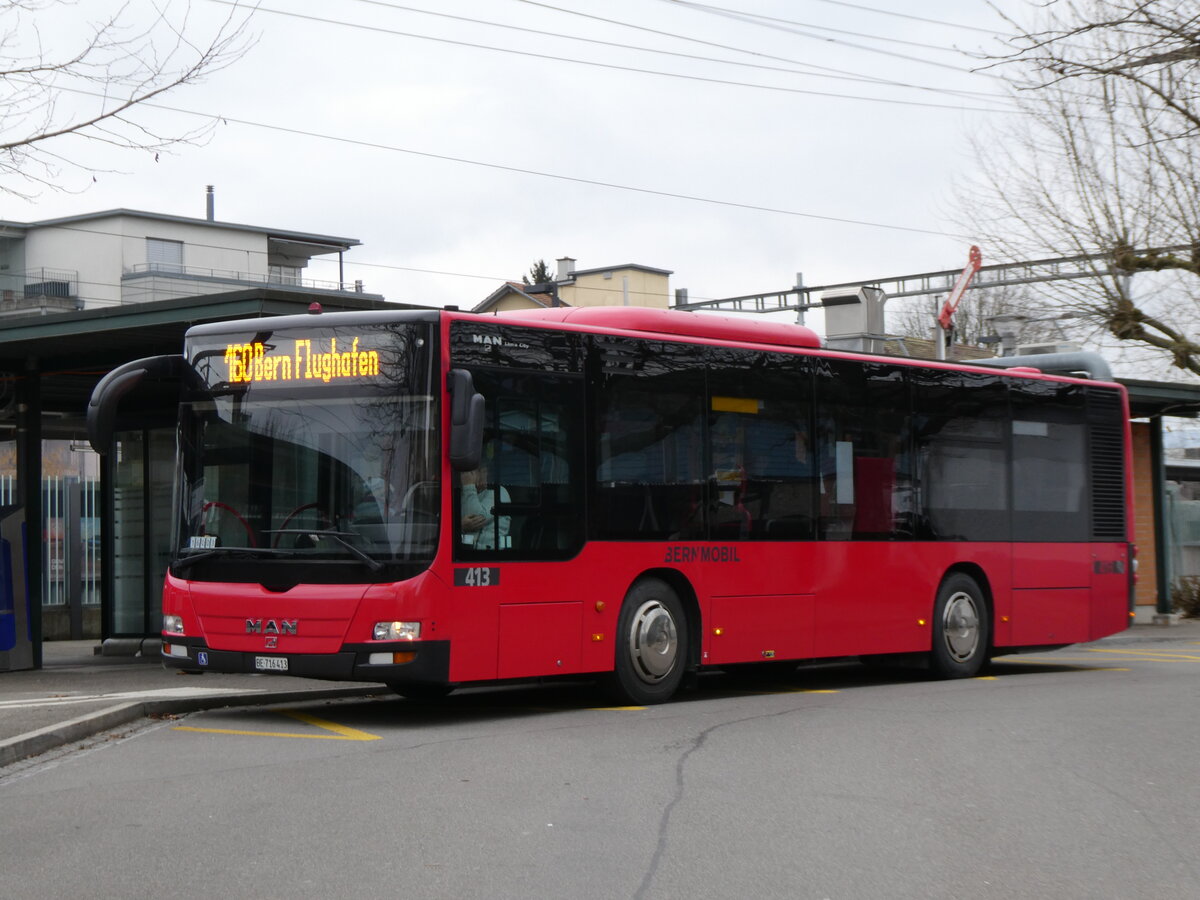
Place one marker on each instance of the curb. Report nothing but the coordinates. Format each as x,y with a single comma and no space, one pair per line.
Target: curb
33,743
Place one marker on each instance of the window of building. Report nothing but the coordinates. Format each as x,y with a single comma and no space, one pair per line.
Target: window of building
163,255
284,274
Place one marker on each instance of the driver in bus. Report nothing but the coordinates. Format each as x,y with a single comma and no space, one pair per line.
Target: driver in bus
480,525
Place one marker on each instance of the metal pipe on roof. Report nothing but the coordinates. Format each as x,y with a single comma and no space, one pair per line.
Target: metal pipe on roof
1095,365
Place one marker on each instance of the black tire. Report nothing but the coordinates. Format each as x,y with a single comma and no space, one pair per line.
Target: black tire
652,645
961,628
422,693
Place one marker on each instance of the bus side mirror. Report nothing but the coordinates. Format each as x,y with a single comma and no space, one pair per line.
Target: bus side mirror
106,396
466,421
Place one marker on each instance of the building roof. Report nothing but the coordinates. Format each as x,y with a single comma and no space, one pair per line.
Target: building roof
71,351
1162,398
320,243
637,266
510,287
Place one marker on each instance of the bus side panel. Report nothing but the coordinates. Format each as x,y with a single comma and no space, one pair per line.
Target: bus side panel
757,628
878,597
1050,616
1110,589
538,639
1051,602
527,619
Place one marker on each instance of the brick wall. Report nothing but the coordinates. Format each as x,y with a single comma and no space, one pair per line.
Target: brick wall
1143,504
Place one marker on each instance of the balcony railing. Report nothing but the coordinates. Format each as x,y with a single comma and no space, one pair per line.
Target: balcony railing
230,276
39,290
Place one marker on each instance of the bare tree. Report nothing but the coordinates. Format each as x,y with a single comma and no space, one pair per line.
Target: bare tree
1103,165
916,317
97,89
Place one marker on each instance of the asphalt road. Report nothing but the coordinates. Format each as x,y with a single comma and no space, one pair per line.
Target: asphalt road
1064,775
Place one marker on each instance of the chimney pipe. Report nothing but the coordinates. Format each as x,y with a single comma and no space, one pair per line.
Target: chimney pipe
566,269
210,205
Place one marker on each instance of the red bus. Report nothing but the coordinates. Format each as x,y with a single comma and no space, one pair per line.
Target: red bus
431,499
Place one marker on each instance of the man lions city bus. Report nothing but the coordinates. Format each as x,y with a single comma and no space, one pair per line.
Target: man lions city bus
431,499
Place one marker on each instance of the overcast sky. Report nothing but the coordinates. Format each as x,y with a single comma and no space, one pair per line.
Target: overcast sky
423,136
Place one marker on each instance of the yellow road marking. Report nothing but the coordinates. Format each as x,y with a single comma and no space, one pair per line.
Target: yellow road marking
767,691
340,732
1058,663
985,677
615,708
1156,655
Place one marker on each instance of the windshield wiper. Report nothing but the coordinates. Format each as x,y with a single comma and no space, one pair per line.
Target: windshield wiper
340,536
185,562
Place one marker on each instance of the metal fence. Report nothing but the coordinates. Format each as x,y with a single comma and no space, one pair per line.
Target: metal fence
71,540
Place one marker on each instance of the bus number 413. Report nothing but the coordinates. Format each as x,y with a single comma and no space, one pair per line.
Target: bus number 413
477,576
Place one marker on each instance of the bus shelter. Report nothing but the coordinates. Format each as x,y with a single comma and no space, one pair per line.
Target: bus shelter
96,529
1163,487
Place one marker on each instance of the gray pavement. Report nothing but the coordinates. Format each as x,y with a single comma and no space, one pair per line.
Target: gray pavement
78,693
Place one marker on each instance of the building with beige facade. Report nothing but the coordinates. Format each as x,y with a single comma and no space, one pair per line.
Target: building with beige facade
625,285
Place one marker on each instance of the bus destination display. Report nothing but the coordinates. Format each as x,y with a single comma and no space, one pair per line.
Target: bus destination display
302,360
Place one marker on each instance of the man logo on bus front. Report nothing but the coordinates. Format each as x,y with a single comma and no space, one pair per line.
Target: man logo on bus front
272,627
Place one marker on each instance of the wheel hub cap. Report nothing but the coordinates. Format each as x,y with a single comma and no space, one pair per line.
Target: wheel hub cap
653,641
960,625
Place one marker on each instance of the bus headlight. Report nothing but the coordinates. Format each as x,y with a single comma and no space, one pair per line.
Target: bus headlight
172,625
397,631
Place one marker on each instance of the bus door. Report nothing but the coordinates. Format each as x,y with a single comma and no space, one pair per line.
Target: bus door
519,517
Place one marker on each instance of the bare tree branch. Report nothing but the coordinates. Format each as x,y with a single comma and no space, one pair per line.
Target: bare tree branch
1103,165
97,89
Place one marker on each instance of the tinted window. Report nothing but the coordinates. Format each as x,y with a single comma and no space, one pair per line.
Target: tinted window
648,433
1049,469
961,430
863,451
526,500
761,473
487,342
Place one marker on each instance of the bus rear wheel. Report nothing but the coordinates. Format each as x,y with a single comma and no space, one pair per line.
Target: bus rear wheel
960,628
652,644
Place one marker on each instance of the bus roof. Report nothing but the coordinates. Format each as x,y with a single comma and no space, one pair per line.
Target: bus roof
673,322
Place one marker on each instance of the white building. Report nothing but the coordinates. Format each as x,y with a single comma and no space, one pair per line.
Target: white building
125,256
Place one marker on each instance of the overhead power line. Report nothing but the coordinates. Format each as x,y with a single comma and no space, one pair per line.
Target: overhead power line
819,71
694,40
789,27
620,68
900,15
612,185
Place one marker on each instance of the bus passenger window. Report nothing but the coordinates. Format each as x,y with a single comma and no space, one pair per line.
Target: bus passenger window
650,455
864,451
525,501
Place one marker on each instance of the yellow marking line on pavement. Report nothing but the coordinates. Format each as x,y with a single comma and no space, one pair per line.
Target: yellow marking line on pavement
340,732
766,692
1060,663
1152,655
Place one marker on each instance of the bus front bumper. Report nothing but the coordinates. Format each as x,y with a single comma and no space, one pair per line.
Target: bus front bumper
428,661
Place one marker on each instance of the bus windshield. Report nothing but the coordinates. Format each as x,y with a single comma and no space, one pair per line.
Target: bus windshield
319,446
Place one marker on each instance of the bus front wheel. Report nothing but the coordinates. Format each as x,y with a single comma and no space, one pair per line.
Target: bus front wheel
652,644
960,628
